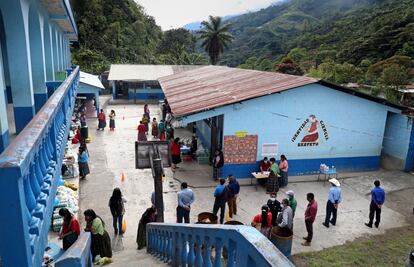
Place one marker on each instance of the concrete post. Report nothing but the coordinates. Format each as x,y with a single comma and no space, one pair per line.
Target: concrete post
16,23
37,58
159,202
113,90
4,128
49,61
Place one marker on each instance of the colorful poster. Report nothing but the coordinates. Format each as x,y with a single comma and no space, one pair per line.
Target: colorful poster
311,137
240,150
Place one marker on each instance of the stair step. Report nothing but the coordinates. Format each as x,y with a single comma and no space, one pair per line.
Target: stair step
134,258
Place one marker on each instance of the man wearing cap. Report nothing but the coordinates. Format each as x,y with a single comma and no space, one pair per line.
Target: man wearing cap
285,218
292,201
334,198
377,199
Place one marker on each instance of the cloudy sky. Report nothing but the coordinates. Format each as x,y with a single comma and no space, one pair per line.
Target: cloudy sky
176,13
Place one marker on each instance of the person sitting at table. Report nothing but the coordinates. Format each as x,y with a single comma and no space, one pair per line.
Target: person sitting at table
264,165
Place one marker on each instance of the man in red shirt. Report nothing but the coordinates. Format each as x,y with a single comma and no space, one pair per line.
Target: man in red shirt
264,165
310,214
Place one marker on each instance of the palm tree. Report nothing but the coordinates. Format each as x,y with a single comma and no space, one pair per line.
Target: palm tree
215,37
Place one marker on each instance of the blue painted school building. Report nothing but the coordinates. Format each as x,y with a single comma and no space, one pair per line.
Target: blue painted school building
252,114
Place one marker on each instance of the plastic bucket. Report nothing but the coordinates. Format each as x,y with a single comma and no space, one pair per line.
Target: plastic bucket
282,239
202,217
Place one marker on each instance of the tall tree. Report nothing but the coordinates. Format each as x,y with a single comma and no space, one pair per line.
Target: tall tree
215,37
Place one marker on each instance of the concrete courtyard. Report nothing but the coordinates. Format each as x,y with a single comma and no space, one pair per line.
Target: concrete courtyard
112,154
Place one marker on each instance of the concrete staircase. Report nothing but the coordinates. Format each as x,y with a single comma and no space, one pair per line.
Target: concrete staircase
135,258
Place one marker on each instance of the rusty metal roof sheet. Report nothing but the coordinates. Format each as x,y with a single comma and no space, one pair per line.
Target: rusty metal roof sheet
213,86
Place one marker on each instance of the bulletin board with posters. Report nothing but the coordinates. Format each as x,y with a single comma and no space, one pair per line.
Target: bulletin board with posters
240,150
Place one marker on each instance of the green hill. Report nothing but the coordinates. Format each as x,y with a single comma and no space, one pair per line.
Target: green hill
344,30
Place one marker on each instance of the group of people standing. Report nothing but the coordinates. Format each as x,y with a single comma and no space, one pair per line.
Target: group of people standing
102,120
226,194
278,173
162,130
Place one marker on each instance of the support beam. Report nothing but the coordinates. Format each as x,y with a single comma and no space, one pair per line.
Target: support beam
50,76
4,128
37,58
16,23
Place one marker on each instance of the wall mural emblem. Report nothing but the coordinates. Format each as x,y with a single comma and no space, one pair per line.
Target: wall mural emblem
311,137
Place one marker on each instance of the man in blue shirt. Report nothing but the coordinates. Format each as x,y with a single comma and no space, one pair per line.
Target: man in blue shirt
377,199
185,199
220,193
234,190
334,198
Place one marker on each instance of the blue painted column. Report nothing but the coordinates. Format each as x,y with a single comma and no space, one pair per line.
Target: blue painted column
16,23
49,62
37,58
62,64
4,128
57,45
55,52
113,90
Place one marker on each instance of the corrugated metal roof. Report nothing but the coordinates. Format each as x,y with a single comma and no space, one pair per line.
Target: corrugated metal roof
127,72
90,79
212,86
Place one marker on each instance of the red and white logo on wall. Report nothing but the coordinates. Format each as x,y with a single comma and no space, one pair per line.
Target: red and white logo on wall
311,137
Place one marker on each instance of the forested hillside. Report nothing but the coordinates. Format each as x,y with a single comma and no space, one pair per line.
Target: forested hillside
119,31
342,30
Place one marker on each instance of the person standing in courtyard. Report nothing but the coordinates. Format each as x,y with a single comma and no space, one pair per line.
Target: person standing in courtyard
234,190
112,120
377,200
185,199
283,167
310,215
116,205
83,162
141,132
292,201
101,120
334,199
274,207
147,111
175,153
221,195
101,242
154,128
265,220
149,216
218,162
161,130
285,218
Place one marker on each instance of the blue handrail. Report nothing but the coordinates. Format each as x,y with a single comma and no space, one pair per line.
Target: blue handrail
30,168
199,244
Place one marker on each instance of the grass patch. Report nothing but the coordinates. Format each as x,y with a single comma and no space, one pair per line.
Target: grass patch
390,249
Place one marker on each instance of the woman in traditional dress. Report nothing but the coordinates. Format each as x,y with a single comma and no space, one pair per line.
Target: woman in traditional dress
83,162
263,221
154,128
145,121
101,120
112,120
70,228
148,217
101,242
141,132
175,153
272,183
147,111
161,130
284,166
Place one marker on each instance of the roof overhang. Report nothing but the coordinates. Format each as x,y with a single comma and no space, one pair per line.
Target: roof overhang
60,11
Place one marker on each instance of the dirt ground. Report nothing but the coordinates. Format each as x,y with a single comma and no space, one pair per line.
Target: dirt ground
389,249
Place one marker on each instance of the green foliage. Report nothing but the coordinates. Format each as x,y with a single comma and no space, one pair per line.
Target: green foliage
395,76
337,73
183,58
342,31
215,37
297,54
254,63
177,41
112,31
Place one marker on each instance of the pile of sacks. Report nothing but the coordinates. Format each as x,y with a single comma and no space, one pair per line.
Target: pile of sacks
65,198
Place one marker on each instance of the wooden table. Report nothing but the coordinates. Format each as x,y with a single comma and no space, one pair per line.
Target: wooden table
258,175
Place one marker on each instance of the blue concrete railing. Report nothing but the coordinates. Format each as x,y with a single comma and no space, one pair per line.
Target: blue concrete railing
199,244
30,168
79,254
